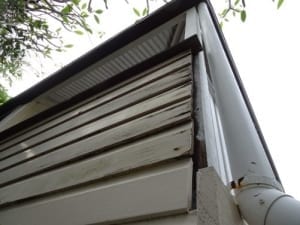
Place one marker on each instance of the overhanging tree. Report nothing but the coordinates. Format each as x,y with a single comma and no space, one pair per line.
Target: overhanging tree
3,95
238,7
29,26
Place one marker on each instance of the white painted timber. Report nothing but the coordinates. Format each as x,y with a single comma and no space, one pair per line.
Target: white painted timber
153,149
103,124
169,67
123,133
76,84
191,25
215,204
189,218
158,191
133,97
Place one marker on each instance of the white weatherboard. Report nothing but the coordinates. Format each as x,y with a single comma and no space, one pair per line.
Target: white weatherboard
161,190
167,145
121,155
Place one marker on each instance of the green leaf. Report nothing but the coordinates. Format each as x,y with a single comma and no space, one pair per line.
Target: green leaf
136,11
66,10
221,25
65,19
37,24
3,95
279,3
79,32
105,3
100,34
99,11
84,5
84,14
243,15
236,2
76,2
96,19
224,12
69,46
145,11
89,30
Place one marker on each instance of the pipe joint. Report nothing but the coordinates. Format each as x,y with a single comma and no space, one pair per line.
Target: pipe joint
264,205
254,180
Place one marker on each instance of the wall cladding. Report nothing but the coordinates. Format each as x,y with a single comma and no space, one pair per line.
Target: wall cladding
132,142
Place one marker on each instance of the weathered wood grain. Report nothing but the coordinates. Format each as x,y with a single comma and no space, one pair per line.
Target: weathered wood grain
102,124
132,97
116,92
153,149
160,190
126,132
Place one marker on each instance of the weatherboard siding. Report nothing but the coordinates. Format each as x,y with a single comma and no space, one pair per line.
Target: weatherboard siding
176,142
117,92
170,107
104,158
160,190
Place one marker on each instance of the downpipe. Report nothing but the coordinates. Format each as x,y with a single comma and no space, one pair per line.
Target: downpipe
259,195
266,205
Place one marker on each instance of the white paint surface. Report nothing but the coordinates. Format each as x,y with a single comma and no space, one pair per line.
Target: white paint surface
143,153
168,188
265,49
215,205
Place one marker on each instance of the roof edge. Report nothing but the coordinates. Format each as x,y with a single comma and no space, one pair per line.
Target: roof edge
192,44
126,36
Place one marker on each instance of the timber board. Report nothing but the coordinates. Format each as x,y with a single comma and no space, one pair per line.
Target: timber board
176,63
162,190
106,123
159,147
153,122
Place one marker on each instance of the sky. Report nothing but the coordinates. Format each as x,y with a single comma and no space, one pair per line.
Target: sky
265,48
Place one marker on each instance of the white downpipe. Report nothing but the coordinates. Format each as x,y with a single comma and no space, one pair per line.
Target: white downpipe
267,206
245,150
259,196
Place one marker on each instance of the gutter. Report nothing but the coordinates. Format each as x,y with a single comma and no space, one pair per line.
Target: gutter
256,184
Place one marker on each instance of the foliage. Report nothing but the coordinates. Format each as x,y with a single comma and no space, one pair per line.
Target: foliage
29,26
238,7
35,26
3,95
